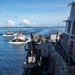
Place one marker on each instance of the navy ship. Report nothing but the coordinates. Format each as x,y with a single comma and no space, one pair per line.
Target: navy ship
19,39
52,56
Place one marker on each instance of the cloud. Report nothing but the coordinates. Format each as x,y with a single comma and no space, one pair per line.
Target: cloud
24,21
9,22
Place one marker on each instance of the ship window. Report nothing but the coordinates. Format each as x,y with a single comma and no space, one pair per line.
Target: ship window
73,28
69,25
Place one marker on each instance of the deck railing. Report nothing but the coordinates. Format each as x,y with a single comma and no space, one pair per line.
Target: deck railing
64,54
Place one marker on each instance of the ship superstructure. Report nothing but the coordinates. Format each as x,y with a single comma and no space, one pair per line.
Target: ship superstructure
67,39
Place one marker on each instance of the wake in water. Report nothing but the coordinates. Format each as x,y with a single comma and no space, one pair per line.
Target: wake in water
1,34
10,35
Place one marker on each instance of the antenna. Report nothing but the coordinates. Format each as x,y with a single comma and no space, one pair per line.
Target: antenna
58,27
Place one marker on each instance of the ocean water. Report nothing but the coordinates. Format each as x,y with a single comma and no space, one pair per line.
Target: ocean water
13,56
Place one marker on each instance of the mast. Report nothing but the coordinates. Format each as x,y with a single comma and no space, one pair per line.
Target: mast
58,27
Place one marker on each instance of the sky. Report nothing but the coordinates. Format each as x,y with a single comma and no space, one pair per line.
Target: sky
34,12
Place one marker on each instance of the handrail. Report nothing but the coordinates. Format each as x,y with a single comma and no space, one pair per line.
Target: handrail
63,52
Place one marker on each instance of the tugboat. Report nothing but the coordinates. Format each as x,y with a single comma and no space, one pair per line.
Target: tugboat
9,33
19,39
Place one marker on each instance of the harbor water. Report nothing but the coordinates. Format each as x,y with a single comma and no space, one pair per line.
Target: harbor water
13,56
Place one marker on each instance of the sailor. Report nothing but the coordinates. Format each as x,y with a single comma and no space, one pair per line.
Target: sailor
20,32
45,54
31,57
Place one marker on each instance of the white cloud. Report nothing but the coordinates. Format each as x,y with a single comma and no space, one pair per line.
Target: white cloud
24,21
10,22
